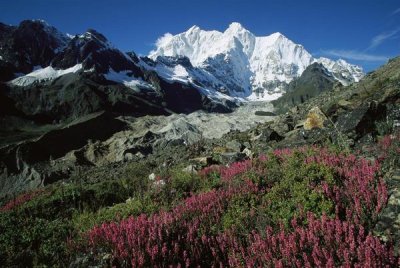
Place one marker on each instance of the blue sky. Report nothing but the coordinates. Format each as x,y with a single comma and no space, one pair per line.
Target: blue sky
362,32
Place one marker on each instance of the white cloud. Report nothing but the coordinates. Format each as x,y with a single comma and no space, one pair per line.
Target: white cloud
396,11
166,38
382,37
355,55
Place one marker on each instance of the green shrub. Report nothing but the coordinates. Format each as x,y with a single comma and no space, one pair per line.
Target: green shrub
239,214
184,182
384,127
83,221
27,241
36,232
296,190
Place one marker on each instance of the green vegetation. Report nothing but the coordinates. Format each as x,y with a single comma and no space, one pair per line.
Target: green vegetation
37,231
44,228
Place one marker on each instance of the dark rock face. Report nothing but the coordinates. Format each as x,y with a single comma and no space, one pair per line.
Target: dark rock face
7,71
73,95
30,44
57,143
7,104
174,61
312,82
215,107
181,98
29,164
93,50
133,56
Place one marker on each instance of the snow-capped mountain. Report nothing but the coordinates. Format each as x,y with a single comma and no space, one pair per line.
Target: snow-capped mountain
342,70
84,73
241,64
89,52
193,70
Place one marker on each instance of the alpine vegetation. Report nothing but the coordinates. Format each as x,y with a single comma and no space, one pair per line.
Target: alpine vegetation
212,148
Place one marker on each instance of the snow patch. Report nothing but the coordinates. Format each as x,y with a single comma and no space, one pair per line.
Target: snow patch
124,78
264,96
176,73
40,74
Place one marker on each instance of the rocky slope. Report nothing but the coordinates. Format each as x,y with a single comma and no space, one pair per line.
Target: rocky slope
48,158
238,62
351,117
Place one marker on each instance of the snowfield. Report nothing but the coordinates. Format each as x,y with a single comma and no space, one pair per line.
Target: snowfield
48,73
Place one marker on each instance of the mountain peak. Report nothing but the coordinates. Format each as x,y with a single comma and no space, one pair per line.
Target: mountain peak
241,62
35,21
91,33
277,35
235,27
29,44
194,28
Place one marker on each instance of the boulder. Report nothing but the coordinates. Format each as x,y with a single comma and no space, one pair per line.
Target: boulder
247,144
234,146
205,160
227,158
315,119
248,152
190,169
152,176
283,125
264,113
362,119
268,135
344,104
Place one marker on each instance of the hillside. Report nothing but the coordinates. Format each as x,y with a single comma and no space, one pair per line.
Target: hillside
145,194
313,81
